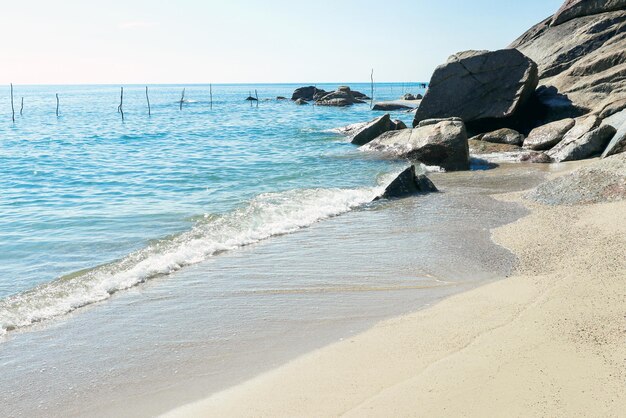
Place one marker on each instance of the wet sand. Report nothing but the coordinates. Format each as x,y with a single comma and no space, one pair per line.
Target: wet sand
548,341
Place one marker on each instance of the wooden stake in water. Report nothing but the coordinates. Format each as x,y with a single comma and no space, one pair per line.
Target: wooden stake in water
148,100
22,107
57,104
257,98
211,96
182,99
372,89
12,108
119,108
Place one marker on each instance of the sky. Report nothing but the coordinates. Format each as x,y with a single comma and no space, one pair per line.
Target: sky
244,41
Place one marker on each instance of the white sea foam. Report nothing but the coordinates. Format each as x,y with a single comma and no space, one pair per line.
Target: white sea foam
265,216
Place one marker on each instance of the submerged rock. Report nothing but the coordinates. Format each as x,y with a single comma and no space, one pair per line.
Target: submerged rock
408,183
252,99
443,144
391,106
547,136
485,89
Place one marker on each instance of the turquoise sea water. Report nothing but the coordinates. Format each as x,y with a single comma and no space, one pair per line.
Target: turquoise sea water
91,204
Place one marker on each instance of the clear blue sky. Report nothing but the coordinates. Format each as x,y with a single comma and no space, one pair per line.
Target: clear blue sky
200,41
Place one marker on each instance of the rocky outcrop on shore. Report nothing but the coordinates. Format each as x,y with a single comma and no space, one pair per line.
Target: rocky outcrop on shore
442,144
486,89
343,96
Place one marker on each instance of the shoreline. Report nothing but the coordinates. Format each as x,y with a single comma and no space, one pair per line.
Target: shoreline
548,340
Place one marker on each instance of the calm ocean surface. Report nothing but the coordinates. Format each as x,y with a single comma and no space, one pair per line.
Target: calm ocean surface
91,205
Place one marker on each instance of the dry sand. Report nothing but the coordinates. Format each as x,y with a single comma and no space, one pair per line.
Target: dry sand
549,341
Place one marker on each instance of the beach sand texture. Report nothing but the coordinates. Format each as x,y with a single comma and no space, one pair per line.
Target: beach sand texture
548,341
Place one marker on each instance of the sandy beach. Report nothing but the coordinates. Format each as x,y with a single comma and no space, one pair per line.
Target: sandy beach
548,341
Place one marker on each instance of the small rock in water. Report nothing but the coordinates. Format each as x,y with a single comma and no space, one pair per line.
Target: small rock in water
408,183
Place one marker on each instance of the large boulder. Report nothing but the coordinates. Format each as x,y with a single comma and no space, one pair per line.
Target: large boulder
590,144
583,56
443,144
486,89
572,9
547,136
408,183
373,129
307,93
503,136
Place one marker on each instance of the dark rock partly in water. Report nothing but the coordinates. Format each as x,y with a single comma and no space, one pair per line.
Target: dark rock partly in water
617,144
485,89
307,93
601,181
583,58
572,9
281,98
408,96
390,106
408,183
547,136
504,136
252,99
443,144
589,145
343,96
301,102
373,129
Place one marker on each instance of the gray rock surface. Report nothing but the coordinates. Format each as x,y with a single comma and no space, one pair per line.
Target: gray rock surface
435,121
503,136
601,181
590,144
617,144
373,129
480,87
443,144
301,102
584,58
547,136
572,9
408,183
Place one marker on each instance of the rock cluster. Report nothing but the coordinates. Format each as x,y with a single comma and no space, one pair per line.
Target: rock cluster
343,96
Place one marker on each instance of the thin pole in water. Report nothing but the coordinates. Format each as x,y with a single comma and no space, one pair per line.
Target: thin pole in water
211,95
22,107
182,99
119,108
57,95
148,100
257,98
12,108
372,89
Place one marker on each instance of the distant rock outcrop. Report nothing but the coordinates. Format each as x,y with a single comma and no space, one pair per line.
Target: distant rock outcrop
408,183
443,144
307,93
343,96
485,89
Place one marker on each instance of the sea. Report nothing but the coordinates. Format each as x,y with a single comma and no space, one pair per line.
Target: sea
152,256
